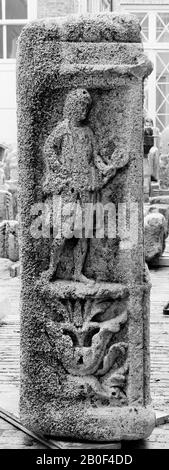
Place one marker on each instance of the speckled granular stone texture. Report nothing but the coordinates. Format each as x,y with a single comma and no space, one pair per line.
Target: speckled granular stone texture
11,240
85,325
9,246
159,208
95,28
164,172
155,232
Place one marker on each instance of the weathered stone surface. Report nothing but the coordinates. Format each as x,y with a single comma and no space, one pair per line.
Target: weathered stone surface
11,240
2,239
153,158
91,316
161,208
85,295
9,243
10,166
164,159
94,29
147,178
6,205
155,231
164,141
159,200
164,172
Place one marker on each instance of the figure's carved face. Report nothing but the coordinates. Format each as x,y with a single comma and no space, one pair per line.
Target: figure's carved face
77,105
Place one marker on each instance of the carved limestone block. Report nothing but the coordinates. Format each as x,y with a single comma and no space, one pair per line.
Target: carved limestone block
85,296
92,325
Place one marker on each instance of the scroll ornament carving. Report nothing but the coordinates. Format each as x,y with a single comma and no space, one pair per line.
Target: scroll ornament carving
90,351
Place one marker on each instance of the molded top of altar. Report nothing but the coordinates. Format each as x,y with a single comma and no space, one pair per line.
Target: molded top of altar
103,27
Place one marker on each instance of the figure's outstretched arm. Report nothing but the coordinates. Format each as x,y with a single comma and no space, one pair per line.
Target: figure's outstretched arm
119,159
108,171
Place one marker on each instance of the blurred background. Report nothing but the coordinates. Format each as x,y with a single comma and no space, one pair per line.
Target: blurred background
154,20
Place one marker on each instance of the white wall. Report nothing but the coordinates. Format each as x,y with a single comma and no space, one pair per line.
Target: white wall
8,103
8,123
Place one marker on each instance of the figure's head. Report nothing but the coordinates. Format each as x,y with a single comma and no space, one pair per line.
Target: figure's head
77,105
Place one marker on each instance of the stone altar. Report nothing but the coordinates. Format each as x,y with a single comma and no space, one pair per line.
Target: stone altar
155,234
85,291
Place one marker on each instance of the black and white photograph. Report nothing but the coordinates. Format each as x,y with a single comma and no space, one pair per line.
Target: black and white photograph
84,232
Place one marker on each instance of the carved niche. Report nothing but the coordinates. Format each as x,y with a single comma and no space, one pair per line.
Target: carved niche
85,321
76,170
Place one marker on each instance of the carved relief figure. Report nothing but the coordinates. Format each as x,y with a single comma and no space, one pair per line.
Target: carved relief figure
77,172
92,346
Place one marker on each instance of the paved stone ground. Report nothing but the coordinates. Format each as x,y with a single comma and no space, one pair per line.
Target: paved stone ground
9,339
159,337
9,357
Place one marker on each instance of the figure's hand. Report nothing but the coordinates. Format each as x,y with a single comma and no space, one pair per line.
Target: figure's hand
108,175
109,171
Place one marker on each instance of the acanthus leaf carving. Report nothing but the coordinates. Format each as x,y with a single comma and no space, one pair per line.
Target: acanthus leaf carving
90,352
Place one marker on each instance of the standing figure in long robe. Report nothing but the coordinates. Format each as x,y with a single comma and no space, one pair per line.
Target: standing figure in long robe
76,172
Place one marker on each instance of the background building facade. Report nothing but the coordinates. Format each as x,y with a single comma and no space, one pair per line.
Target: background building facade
13,15
154,19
